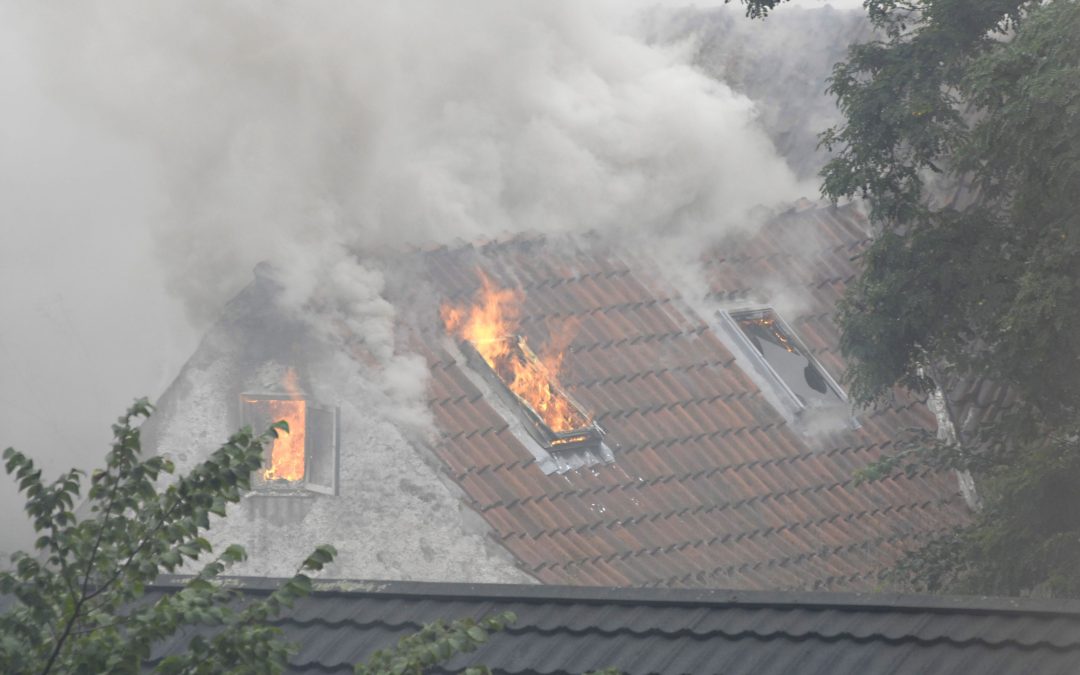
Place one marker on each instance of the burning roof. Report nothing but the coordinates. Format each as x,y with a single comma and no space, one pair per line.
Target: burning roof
528,382
711,484
708,485
548,413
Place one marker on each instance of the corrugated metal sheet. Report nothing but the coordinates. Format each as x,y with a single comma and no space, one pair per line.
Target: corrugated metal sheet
575,630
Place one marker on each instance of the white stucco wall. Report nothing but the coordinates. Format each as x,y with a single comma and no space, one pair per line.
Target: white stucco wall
394,517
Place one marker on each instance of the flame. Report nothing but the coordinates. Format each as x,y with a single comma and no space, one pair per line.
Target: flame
490,324
287,452
768,324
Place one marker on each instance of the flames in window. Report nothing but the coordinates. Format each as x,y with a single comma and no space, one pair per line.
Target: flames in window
490,324
766,327
287,452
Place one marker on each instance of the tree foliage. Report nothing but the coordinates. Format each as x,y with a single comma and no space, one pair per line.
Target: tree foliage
79,604
756,9
962,130
433,644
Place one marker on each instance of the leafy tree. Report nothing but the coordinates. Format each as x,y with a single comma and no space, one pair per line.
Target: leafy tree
756,9
434,644
78,601
962,131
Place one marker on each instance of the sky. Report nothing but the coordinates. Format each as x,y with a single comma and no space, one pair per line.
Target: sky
129,215
88,324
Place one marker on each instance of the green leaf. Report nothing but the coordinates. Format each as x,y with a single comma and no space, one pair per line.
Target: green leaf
973,290
477,634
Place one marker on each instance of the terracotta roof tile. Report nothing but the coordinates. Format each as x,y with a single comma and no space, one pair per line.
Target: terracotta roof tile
711,486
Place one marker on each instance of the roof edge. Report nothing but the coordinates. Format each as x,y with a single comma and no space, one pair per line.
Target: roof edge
870,602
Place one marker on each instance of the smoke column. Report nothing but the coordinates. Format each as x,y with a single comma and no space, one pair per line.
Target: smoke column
158,151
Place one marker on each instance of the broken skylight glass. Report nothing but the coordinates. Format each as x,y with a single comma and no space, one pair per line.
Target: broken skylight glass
787,357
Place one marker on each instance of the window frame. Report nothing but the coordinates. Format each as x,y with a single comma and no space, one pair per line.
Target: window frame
334,427
305,484
730,322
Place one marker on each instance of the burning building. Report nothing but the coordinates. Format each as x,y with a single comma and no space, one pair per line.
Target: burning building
588,426
343,473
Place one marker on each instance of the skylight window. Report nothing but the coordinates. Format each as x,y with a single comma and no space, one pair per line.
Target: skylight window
560,434
558,423
785,358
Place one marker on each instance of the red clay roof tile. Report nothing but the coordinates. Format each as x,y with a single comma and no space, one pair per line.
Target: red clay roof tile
711,486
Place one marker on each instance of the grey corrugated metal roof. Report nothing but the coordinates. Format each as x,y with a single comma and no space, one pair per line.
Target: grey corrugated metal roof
575,629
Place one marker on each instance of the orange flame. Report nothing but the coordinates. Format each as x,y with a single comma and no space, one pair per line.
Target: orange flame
769,325
490,324
287,452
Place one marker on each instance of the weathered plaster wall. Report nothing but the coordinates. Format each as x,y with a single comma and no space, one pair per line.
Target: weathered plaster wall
394,518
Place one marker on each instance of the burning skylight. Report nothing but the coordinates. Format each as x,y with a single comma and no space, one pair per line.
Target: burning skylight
527,381
550,415
305,457
787,358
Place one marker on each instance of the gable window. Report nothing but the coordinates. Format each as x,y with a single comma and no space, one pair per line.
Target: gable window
305,458
784,359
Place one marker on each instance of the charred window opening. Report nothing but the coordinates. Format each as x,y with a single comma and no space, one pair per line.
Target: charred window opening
787,358
551,416
305,458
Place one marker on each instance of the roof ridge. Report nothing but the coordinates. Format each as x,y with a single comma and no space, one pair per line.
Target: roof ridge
690,632
421,590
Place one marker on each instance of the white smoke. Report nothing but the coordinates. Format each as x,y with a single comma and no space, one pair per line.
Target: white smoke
294,132
279,126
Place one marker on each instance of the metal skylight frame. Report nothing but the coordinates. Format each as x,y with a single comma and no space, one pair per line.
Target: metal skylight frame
587,437
729,321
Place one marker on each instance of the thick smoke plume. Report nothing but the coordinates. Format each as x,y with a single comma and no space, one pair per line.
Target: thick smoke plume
206,136
369,123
